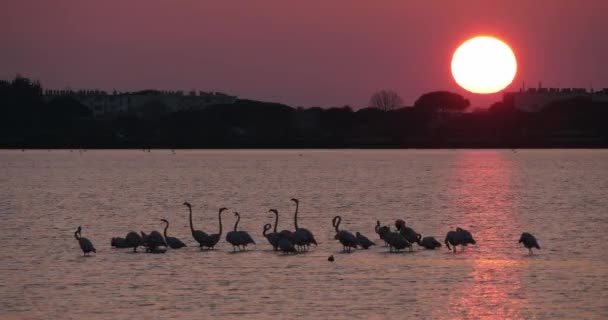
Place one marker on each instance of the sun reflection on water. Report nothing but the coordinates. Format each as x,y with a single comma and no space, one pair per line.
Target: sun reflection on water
491,290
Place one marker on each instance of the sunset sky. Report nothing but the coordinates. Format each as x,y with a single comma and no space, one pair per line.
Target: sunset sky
307,53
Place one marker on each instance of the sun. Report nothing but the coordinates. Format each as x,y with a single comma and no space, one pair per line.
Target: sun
484,65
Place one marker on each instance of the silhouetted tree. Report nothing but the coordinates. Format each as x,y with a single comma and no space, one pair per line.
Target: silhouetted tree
385,100
441,101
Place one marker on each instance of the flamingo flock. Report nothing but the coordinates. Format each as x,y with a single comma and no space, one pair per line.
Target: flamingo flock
298,240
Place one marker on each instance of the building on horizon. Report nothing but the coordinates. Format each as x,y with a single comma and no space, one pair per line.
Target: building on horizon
535,99
101,103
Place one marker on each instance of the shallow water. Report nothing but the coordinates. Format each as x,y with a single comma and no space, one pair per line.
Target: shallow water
559,195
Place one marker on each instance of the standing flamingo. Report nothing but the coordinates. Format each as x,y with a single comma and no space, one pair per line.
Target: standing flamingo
459,237
364,241
85,244
237,238
429,243
134,240
273,237
408,233
174,243
213,239
198,235
529,241
303,237
381,231
347,239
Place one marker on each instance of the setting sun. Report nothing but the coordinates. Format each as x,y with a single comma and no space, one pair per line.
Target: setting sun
484,65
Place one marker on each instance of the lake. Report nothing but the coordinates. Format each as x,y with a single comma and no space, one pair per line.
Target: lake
561,196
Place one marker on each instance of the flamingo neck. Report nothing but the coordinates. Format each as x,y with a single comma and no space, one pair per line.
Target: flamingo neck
276,220
166,227
238,218
191,226
295,216
219,215
337,221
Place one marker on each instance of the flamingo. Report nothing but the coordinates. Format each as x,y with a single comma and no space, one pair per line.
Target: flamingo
174,243
347,239
85,244
363,241
429,243
213,239
273,237
408,233
529,241
198,235
238,238
119,243
133,240
459,237
382,230
303,237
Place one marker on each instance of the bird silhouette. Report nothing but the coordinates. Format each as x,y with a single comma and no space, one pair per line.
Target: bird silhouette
382,230
213,239
408,233
134,240
273,237
303,237
363,241
460,237
347,239
198,235
286,242
85,244
529,241
119,243
153,241
429,243
237,238
174,243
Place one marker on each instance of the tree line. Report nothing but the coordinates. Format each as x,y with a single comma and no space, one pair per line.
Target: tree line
436,120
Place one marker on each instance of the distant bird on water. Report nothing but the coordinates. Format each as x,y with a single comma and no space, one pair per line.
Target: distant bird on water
272,237
214,238
331,258
347,239
237,238
459,237
285,240
198,235
174,243
408,233
119,243
382,231
303,237
85,244
363,241
429,243
134,240
153,241
529,241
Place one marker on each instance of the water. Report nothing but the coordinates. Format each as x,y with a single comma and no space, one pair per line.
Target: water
559,195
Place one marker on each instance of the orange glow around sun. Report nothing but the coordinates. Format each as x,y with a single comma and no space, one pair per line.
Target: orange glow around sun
484,65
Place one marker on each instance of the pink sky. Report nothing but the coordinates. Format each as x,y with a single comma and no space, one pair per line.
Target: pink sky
306,53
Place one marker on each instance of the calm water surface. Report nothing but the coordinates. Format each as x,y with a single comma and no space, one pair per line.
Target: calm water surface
559,195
